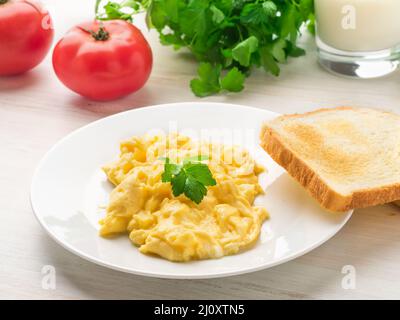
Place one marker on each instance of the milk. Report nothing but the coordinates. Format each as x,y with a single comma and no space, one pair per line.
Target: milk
358,25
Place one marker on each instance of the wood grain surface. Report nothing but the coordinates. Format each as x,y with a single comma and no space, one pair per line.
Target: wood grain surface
36,111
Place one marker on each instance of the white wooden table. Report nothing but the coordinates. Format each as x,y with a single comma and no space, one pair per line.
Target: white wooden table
36,111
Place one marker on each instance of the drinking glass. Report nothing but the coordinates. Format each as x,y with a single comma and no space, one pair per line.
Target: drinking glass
358,38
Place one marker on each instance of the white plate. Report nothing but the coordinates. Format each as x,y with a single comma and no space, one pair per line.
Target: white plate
69,188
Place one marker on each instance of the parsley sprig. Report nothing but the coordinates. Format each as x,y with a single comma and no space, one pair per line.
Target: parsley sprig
228,37
190,178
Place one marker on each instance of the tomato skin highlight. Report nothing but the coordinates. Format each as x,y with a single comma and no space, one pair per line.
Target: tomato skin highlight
103,69
26,35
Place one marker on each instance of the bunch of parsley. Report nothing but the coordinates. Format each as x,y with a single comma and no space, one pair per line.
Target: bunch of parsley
227,37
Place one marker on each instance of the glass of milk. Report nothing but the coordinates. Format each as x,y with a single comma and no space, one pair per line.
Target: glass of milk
358,38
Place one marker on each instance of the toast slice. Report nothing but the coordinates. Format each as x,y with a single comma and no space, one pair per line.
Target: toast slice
345,157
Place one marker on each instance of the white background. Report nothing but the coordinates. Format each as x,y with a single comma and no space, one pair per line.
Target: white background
36,111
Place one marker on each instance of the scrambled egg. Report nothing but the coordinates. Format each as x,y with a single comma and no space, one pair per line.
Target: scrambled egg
176,228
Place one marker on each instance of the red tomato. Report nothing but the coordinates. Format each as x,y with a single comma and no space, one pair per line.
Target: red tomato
26,34
103,60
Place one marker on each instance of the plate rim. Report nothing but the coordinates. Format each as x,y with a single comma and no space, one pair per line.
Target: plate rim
97,261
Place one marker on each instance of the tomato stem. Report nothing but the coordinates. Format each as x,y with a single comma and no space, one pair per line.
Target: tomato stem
100,35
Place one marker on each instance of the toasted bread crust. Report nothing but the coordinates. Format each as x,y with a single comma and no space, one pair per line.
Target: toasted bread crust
322,110
328,198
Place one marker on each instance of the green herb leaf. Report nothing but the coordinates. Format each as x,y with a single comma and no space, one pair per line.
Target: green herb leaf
268,61
195,190
295,51
156,15
242,52
258,13
193,20
217,15
269,8
170,170
178,183
115,10
201,173
288,22
233,81
190,178
208,81
278,51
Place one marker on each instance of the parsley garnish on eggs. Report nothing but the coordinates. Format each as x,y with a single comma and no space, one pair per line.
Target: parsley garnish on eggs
227,37
190,178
